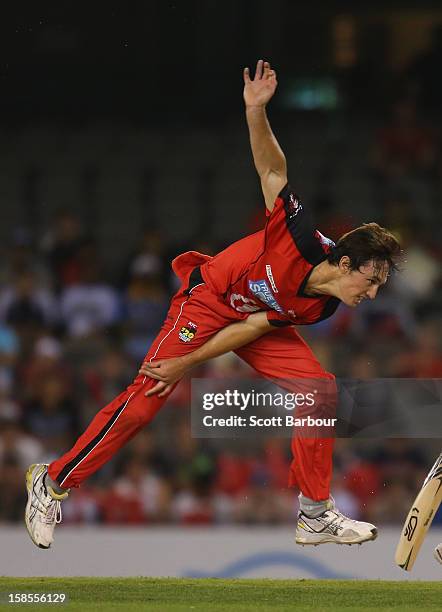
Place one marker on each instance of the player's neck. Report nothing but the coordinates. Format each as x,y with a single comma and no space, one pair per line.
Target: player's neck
323,280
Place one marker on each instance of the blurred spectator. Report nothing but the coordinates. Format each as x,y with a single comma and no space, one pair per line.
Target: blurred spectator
423,357
52,415
345,499
45,361
148,261
108,377
26,306
263,506
83,507
62,244
13,492
421,270
194,466
387,317
9,407
392,505
363,366
194,471
398,460
91,305
276,455
138,495
145,308
24,448
193,505
9,349
147,448
257,485
20,257
233,473
363,480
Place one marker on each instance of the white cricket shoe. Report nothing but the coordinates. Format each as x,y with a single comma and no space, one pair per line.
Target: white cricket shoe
333,526
43,510
438,553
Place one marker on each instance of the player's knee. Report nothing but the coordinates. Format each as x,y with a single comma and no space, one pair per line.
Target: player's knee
136,413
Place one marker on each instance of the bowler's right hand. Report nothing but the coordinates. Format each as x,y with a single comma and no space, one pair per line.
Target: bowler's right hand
259,91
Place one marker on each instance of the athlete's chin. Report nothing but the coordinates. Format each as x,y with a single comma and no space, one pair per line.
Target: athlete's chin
352,302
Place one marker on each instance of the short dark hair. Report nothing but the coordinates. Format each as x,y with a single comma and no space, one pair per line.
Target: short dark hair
369,242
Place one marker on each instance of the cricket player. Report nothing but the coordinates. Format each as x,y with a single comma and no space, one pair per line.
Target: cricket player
248,299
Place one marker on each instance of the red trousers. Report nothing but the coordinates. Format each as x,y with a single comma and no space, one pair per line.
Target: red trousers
192,319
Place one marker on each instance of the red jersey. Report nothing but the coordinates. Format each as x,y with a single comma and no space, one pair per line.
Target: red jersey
269,270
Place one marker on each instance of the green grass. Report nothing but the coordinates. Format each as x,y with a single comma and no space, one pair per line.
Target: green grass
176,595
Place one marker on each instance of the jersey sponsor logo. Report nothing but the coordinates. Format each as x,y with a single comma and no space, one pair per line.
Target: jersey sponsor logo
294,206
187,332
245,304
262,291
270,277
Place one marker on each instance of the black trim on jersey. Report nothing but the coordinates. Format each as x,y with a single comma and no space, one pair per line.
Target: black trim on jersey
331,304
195,279
82,454
329,309
302,286
300,226
279,323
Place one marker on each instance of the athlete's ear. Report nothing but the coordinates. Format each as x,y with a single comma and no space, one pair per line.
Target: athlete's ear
345,264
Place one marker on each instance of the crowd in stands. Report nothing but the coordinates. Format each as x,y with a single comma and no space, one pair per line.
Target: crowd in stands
71,338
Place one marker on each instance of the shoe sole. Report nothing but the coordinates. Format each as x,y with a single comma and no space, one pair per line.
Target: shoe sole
29,479
331,539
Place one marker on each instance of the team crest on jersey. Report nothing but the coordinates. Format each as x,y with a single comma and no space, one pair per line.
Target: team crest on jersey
243,304
262,291
294,206
187,332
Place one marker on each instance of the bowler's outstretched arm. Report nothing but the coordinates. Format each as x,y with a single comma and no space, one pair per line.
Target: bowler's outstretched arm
269,159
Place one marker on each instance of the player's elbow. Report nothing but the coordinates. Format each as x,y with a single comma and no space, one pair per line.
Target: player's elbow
273,171
272,183
259,322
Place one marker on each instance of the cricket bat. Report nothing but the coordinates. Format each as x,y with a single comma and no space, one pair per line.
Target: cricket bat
420,517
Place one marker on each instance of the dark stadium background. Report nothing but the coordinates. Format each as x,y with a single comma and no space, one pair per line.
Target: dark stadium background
123,142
